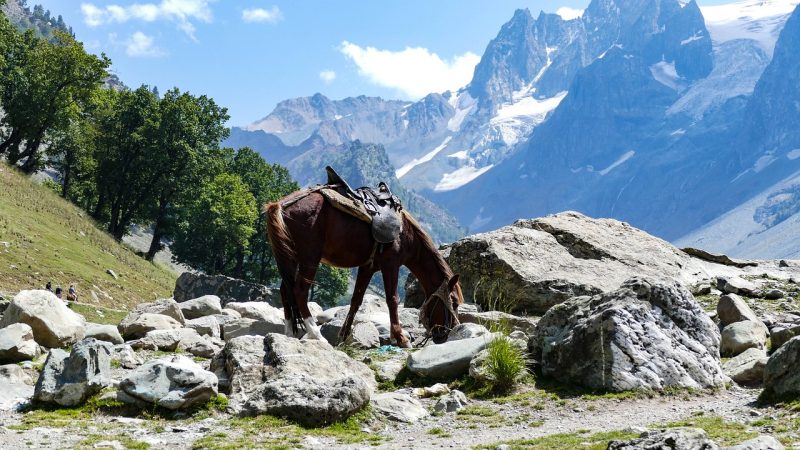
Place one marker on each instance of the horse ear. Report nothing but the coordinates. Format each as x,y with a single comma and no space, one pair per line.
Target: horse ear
453,281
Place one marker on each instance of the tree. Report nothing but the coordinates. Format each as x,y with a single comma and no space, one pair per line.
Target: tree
214,227
329,285
71,154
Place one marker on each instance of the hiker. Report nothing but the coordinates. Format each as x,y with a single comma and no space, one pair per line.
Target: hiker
72,295
49,286
58,291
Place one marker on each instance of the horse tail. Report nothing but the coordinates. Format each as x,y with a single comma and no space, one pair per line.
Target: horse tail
285,258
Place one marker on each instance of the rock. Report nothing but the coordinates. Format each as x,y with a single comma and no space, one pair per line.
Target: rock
719,259
54,324
738,337
731,309
165,307
774,294
193,285
108,333
328,315
700,289
241,361
451,402
128,359
181,339
364,336
447,360
230,313
535,264
496,320
206,305
207,326
203,347
435,390
70,379
138,326
174,382
467,331
398,407
763,442
244,327
672,438
747,368
113,274
305,380
644,335
330,330
782,373
779,335
17,343
17,387
737,285
258,311
389,369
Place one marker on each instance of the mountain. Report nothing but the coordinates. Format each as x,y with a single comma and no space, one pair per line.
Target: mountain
656,112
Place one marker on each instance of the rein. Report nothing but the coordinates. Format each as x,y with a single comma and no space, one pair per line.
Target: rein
426,310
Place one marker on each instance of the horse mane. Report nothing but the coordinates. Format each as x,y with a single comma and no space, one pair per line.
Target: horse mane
428,244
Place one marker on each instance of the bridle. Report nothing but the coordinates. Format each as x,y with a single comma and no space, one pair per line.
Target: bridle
442,295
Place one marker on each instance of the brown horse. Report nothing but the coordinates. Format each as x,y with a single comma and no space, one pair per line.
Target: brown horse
310,230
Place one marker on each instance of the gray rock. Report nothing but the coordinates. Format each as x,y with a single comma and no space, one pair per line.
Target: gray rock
672,438
230,313
467,331
328,315
206,305
774,294
181,339
17,343
747,368
364,335
139,325
496,320
108,333
113,274
305,380
193,285
330,330
731,309
780,335
54,324
389,369
70,379
165,307
128,359
245,327
644,335
174,382
258,311
206,326
17,387
447,360
763,442
739,336
398,407
782,373
451,402
737,285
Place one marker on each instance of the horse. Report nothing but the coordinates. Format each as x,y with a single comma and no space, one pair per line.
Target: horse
304,229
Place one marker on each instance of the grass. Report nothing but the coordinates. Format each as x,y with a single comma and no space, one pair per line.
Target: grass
99,314
564,441
49,239
439,432
89,442
722,432
505,364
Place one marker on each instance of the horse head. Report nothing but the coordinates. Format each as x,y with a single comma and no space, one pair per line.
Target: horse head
439,313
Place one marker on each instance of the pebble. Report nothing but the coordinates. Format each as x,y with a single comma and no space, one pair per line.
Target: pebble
755,413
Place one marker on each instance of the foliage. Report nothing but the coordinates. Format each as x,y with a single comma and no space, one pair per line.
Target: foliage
330,283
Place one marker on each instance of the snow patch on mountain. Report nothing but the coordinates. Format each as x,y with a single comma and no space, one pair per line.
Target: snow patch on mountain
568,13
427,157
514,121
757,20
665,73
626,156
464,105
460,177
794,154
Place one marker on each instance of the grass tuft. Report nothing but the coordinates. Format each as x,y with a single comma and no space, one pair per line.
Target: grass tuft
506,364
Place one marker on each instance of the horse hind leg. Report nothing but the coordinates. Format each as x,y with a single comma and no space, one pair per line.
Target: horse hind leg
288,317
305,277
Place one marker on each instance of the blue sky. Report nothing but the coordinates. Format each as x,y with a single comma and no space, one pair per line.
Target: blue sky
249,55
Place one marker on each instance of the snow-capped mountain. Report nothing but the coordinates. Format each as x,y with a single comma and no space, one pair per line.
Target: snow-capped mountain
657,112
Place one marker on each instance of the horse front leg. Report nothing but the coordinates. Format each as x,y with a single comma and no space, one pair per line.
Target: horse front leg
363,276
305,276
390,277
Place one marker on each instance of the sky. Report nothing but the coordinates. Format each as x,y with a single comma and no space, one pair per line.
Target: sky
250,54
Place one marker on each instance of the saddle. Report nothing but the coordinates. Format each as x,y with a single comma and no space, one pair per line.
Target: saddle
383,206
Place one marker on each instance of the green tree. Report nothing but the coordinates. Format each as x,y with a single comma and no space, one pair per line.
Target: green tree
330,283
214,227
71,154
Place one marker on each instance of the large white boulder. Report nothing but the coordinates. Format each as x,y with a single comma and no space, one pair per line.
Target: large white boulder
54,324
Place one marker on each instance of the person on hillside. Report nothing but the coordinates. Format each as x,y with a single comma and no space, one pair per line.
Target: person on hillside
72,294
59,291
49,286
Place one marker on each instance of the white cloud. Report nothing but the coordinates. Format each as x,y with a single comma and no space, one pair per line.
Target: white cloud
271,15
568,13
140,45
415,71
327,76
181,12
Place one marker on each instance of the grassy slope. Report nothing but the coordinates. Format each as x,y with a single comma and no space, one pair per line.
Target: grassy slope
45,238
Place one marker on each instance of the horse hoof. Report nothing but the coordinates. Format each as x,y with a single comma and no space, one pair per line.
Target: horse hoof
405,344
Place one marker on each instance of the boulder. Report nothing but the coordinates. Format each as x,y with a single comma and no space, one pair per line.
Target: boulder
447,360
305,380
451,402
258,311
138,326
181,339
763,442
398,407
206,326
174,382
328,314
774,294
193,285
165,307
206,305
467,331
17,387
54,324
731,308
780,335
17,343
737,285
671,438
739,336
70,379
330,330
364,335
108,333
496,320
747,368
782,373
128,359
243,327
240,365
387,370
644,335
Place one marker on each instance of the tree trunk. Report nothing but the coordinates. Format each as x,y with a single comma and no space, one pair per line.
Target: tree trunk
13,139
101,205
31,151
66,180
239,269
158,228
